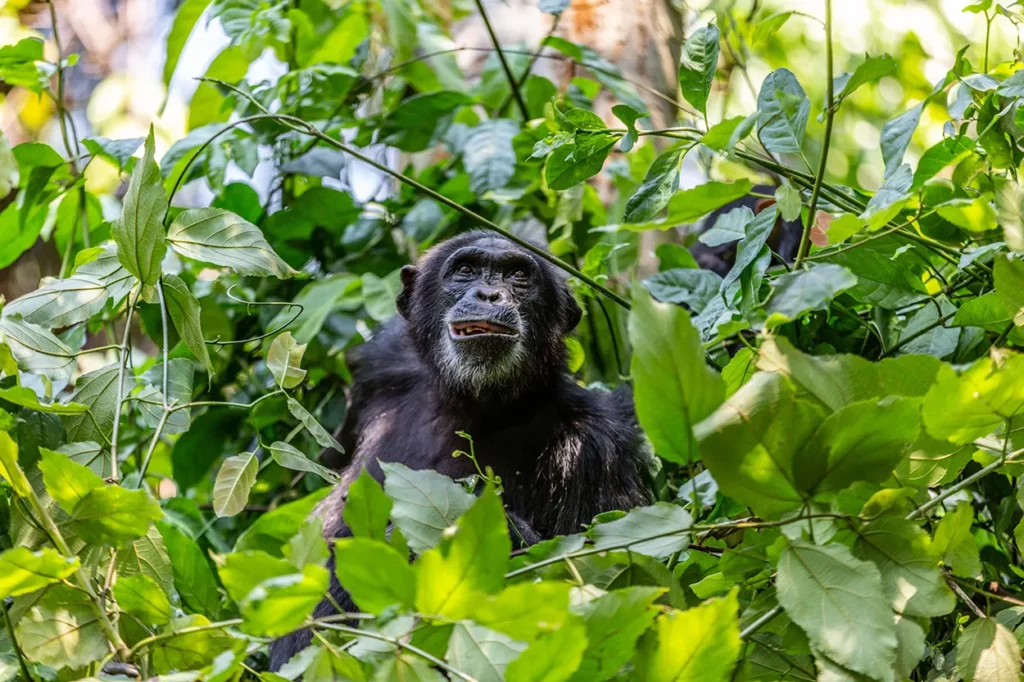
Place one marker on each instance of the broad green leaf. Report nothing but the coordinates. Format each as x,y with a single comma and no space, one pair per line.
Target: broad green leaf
955,543
107,268
614,623
66,482
787,198
961,408
932,462
697,66
729,227
525,610
375,575
275,528
185,18
488,155
699,645
284,359
241,572
61,631
114,516
148,556
23,64
97,390
629,116
379,295
426,503
1012,86
840,604
782,111
180,375
412,125
691,287
870,70
197,648
839,380
973,215
61,302
139,231
184,311
896,136
669,520
408,668
751,442
553,657
894,190
909,567
659,185
281,604
26,397
291,458
367,508
234,481
321,435
950,151
23,571
769,26
572,164
718,135
882,280
331,665
844,227
751,250
36,349
804,291
140,596
674,387
451,578
1009,199
307,546
691,204
481,653
9,468
214,235
116,151
193,577
988,652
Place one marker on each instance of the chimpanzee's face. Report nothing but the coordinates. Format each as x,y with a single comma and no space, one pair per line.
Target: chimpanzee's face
496,313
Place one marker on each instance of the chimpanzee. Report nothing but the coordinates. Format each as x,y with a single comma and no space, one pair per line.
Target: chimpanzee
479,346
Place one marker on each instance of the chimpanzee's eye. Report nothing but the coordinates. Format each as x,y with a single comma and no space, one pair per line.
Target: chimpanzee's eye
465,269
519,274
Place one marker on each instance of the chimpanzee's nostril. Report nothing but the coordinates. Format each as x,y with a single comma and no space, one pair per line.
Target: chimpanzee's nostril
488,295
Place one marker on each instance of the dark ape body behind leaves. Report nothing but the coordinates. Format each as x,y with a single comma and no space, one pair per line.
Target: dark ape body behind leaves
479,347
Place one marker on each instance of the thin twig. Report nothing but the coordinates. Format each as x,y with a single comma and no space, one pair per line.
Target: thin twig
954,489
122,362
14,642
760,622
520,102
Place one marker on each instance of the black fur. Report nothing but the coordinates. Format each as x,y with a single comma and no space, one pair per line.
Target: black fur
564,453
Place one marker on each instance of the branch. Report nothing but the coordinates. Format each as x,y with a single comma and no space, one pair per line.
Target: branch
123,360
954,489
504,63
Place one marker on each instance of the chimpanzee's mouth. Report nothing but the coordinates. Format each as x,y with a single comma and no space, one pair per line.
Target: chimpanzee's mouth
467,328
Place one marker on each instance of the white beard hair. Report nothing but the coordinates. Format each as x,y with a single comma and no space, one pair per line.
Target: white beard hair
475,379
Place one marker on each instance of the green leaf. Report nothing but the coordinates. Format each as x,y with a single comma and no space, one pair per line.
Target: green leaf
659,185
481,653
197,648
36,349
18,65
114,516
66,482
284,359
787,198
882,280
140,596
751,249
525,610
117,152
896,136
185,18
193,577
61,631
977,402
308,545
488,155
426,503
9,469
23,571
729,227
973,215
412,125
614,623
697,65
27,398
1009,199
839,603
573,163
751,442
139,232
180,374
321,435
379,295
955,543
674,387
868,71
988,652
107,268
669,520
234,481
553,657
374,574
949,151
769,26
782,111
909,567
241,572
61,302
214,235
148,556
690,204
367,508
719,135
451,578
291,458
804,291
629,116
1012,86
276,527
699,645
97,390
691,287
279,605
184,310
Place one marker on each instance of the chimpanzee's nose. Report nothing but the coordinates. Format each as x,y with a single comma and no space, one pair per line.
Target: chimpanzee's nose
489,295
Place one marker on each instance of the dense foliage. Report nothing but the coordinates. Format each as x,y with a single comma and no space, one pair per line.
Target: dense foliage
839,459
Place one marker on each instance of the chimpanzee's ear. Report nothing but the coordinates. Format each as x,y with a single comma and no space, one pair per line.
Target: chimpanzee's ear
404,298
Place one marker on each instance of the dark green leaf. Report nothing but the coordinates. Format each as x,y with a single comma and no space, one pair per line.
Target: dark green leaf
697,66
